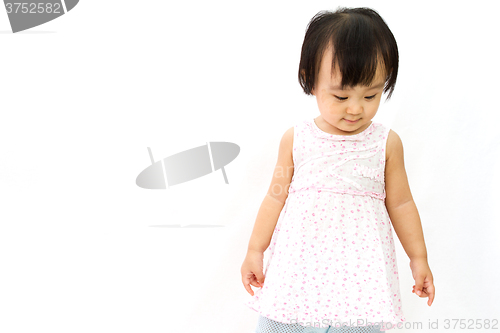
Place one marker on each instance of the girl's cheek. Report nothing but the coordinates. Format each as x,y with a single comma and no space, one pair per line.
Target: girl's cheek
323,98
333,105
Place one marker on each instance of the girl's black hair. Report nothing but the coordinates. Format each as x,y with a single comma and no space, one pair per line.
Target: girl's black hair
359,37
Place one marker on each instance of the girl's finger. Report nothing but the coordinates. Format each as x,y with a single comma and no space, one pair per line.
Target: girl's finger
432,293
424,294
247,287
431,299
255,284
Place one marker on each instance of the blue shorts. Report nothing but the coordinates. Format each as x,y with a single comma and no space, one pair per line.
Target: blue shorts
266,325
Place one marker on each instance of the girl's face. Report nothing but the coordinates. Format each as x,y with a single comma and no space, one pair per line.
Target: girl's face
339,107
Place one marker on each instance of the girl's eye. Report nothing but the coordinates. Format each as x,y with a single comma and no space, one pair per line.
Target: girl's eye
344,98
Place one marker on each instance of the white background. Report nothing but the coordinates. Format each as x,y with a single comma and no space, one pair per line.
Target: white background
84,249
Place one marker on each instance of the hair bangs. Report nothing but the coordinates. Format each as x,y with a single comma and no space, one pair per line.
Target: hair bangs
356,52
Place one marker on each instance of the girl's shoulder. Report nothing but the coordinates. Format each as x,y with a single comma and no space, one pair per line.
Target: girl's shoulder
286,145
394,146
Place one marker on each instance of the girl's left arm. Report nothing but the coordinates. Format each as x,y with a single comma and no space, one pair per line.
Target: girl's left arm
405,218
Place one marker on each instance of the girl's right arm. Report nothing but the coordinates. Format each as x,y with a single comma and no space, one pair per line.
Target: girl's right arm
267,217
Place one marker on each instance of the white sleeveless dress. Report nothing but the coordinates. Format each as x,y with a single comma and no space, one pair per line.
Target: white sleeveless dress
331,256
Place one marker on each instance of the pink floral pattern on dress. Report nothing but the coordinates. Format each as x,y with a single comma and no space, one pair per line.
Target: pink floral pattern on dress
332,254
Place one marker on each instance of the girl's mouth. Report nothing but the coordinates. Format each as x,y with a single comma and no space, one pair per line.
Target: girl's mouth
351,122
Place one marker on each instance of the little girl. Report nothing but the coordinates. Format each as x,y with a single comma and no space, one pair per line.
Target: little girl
338,185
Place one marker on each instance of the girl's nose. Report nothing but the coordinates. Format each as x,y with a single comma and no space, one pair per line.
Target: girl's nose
355,108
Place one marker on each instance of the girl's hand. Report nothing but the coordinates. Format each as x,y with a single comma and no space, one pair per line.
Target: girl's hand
252,270
424,282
